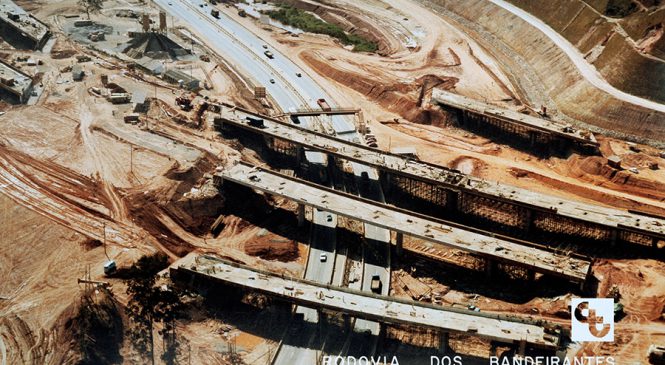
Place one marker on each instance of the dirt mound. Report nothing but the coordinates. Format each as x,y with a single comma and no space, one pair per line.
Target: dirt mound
269,248
403,98
467,165
26,345
640,285
62,49
599,196
596,170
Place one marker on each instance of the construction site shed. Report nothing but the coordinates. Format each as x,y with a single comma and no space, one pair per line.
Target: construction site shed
184,80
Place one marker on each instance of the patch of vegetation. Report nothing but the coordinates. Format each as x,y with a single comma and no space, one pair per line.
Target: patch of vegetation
620,8
149,304
301,19
91,6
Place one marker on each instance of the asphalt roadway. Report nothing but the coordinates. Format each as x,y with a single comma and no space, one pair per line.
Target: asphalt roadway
245,51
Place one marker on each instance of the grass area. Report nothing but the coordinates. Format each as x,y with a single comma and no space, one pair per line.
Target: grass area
307,22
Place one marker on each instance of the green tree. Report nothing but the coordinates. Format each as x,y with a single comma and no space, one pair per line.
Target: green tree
91,6
149,304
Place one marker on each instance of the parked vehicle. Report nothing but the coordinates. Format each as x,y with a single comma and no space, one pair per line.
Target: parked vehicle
110,268
376,284
324,105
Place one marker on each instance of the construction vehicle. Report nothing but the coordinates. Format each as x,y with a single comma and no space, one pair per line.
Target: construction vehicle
255,122
110,268
323,104
656,354
119,98
376,284
269,54
184,101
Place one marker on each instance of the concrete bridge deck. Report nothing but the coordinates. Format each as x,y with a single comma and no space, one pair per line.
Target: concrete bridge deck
611,219
560,129
360,304
403,222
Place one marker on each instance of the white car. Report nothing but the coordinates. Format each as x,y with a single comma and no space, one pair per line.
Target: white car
323,257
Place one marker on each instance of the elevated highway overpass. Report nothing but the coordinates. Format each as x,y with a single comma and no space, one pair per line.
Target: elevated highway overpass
361,304
456,192
402,222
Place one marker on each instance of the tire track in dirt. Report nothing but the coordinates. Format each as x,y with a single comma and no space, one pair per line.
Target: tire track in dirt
118,208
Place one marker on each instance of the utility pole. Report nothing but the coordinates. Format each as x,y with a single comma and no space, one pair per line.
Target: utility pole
131,159
104,242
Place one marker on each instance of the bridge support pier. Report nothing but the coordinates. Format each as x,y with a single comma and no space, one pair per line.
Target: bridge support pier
490,268
299,155
533,136
493,346
614,236
452,198
528,221
444,343
346,322
301,215
654,242
399,242
521,349
387,186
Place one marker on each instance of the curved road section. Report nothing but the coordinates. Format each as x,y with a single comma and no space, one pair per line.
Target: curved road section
587,70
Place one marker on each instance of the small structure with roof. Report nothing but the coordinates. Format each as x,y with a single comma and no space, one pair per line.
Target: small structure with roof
614,161
184,80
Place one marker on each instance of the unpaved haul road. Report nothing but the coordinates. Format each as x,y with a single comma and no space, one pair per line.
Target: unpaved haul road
587,70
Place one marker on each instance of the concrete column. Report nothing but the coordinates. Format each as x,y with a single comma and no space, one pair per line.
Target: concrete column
531,275
451,200
522,348
301,215
387,185
460,117
399,241
614,236
490,268
528,221
299,155
346,322
460,198
322,318
654,242
493,346
444,345
533,136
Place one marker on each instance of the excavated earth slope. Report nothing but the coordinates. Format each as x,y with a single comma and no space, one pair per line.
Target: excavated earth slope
617,59
507,37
